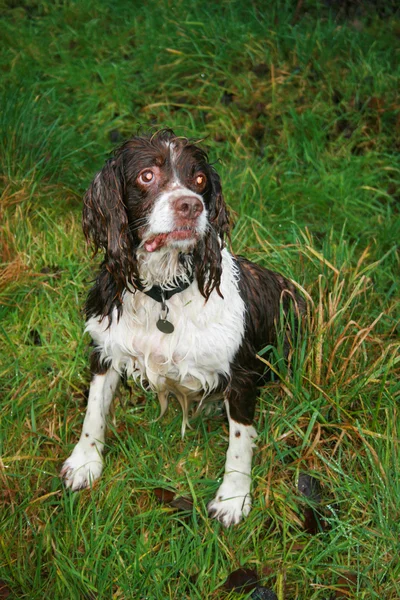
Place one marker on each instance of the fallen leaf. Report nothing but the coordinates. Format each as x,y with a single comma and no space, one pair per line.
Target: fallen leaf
311,521
309,487
167,497
182,503
164,496
346,584
241,580
4,590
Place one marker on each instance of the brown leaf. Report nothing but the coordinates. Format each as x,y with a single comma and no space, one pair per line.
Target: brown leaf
4,590
164,496
309,487
346,582
182,503
268,570
241,580
311,521
167,497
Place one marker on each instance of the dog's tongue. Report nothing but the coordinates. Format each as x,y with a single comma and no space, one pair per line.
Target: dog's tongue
156,242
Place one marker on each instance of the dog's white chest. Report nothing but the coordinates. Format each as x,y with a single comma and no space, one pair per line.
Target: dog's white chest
202,346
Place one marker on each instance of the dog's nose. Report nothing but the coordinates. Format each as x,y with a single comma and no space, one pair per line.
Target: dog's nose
188,207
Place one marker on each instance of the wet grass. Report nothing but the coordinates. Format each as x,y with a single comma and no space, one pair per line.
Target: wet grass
301,111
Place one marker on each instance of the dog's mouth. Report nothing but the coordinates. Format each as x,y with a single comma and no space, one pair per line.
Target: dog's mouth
162,239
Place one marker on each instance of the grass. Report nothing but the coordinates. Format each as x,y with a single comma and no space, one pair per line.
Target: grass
301,109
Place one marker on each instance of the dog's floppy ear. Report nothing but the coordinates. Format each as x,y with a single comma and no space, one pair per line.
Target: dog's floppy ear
105,221
218,212
104,214
208,257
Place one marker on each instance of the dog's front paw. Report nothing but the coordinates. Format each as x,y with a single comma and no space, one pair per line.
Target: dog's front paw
82,468
229,505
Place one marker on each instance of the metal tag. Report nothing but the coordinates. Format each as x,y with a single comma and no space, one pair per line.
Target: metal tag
162,323
165,326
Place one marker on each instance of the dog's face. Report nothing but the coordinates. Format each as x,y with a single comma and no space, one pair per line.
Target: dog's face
157,192
168,192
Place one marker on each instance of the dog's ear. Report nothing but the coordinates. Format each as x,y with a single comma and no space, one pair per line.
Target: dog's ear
105,221
218,211
104,215
208,257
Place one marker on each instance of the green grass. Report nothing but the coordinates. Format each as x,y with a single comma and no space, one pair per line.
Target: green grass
302,114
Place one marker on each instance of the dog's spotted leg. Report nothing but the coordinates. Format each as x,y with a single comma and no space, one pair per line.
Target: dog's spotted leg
233,499
85,464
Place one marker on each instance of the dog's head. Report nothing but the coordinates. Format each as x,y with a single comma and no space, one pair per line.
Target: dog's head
157,192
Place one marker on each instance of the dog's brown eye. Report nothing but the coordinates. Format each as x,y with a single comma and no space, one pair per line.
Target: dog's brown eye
146,177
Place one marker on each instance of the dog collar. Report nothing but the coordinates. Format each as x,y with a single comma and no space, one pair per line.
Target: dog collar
160,294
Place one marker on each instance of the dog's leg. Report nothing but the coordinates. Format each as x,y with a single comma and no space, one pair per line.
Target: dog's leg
85,464
233,500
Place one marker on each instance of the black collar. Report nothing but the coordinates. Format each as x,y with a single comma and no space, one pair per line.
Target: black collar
160,294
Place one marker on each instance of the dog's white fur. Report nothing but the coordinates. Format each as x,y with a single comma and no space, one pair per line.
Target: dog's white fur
186,363
162,219
233,498
206,336
85,464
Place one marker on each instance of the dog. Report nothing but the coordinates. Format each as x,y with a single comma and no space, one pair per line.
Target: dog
172,307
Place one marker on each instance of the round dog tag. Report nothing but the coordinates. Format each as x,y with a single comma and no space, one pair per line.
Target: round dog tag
165,326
